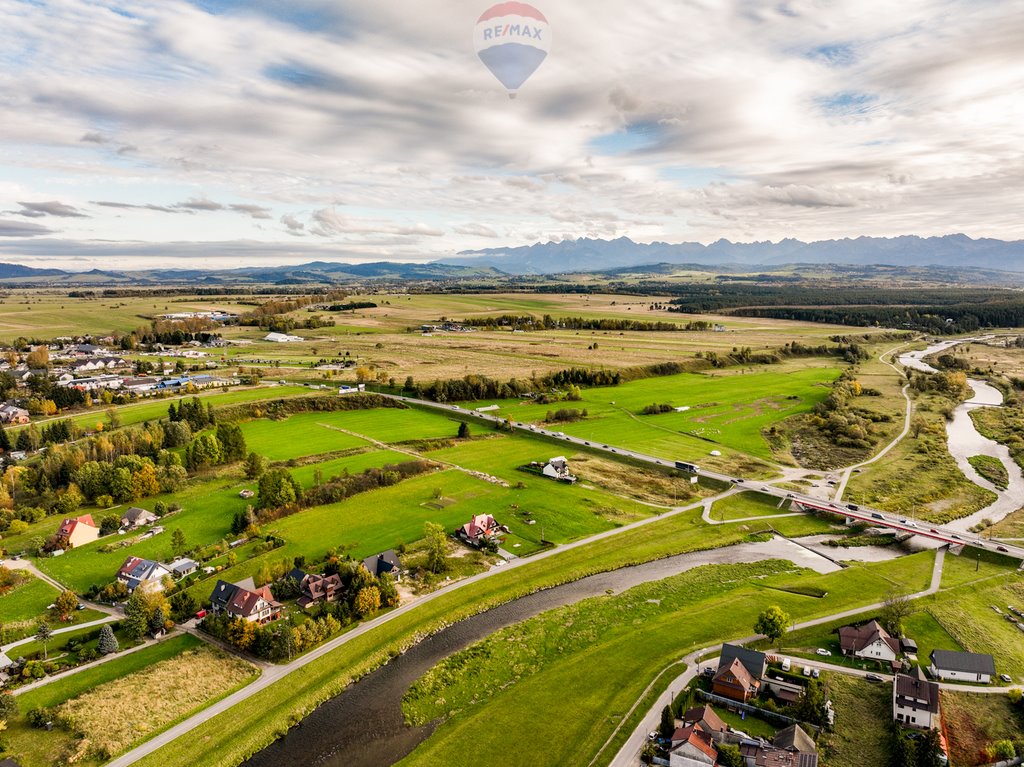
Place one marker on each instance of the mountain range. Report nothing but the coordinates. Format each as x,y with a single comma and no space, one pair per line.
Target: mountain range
955,251
587,255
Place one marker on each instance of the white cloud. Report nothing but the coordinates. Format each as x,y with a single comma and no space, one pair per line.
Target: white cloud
798,120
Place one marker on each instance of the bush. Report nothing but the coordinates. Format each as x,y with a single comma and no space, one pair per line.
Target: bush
39,717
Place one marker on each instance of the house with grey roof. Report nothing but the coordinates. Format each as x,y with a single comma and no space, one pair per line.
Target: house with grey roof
962,666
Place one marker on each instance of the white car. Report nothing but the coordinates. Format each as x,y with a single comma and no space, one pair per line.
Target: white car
822,651
807,670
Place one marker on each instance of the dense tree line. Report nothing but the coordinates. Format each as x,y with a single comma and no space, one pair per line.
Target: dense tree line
352,306
713,298
547,322
475,387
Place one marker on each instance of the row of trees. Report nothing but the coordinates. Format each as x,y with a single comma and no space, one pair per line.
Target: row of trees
547,322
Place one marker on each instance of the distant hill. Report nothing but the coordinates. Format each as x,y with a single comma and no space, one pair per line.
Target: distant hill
955,250
317,272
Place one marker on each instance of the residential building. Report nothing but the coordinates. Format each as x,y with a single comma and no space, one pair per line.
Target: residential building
12,414
316,588
385,562
136,517
962,666
707,719
792,747
78,530
482,527
869,641
734,681
755,662
692,747
915,700
181,567
142,573
558,468
244,601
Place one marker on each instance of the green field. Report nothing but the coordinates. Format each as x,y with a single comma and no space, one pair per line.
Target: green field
368,523
306,434
863,716
353,464
748,504
26,603
728,410
592,649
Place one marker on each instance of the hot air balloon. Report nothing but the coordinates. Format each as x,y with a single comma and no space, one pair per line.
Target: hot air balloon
512,40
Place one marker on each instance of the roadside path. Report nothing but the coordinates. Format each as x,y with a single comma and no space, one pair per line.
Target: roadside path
628,754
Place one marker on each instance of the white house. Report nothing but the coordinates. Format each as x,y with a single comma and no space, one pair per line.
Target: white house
962,666
282,338
869,641
915,701
558,468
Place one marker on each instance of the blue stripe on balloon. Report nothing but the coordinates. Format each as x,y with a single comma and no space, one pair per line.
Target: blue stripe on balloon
512,63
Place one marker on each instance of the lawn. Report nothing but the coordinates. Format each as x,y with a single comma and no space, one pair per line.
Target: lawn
748,504
863,715
296,436
27,602
355,463
368,523
591,648
929,634
728,410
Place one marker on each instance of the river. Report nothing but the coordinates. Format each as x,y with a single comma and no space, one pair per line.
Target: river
964,441
363,726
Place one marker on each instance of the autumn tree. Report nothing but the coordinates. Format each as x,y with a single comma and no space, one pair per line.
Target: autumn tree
773,623
367,601
65,604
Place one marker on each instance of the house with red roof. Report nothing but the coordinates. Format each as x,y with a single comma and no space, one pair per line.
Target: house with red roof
244,601
482,527
692,747
78,530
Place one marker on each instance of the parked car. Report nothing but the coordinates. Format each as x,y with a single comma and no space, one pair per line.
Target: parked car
79,606
873,678
822,651
786,665
815,673
807,670
1006,678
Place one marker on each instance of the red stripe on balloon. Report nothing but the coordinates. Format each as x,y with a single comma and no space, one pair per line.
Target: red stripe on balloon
512,9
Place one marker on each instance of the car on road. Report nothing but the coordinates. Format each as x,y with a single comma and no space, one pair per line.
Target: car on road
79,606
791,495
737,480
853,507
877,516
933,530
957,537
765,488
822,651
1005,678
873,678
1001,548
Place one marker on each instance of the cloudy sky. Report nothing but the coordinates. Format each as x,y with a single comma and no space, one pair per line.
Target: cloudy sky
229,133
